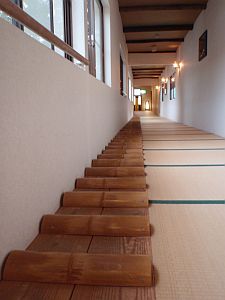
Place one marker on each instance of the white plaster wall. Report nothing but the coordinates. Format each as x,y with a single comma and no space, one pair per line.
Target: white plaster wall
54,119
200,101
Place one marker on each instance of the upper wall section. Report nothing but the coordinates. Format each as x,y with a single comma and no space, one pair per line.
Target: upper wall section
200,84
54,119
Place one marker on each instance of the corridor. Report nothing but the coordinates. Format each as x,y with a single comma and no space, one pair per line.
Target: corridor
185,176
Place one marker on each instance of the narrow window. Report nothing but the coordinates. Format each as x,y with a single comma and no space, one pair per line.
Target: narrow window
130,89
57,24
121,77
162,92
95,38
172,87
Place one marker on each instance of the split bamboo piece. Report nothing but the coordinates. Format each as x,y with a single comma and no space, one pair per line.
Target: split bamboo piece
96,225
123,146
114,171
120,156
123,151
82,268
105,199
118,163
126,183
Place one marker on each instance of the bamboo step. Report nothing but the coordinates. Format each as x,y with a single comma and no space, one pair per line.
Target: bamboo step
123,146
126,183
82,268
118,162
120,156
123,151
114,172
105,199
104,225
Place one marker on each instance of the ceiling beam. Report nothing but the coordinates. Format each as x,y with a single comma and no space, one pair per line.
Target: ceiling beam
146,71
153,28
181,6
146,74
143,72
146,77
164,51
151,69
146,41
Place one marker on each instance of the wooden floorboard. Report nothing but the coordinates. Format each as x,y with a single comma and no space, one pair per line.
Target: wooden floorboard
60,243
10,290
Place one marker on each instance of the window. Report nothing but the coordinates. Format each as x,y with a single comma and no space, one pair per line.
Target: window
130,89
58,21
122,77
162,92
40,11
8,18
95,38
55,15
172,87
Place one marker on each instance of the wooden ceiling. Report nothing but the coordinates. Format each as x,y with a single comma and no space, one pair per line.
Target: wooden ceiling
157,26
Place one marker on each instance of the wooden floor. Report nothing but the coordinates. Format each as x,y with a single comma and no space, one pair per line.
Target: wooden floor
98,244
186,186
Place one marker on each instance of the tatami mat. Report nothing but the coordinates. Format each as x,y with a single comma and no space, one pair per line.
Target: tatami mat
171,132
177,137
188,247
184,157
203,144
186,183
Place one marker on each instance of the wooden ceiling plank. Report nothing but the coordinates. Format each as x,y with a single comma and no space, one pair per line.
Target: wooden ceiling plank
180,6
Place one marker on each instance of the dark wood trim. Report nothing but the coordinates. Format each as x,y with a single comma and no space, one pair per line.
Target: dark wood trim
146,41
17,13
181,6
152,28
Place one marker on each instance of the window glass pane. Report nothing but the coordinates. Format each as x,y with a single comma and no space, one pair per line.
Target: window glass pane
40,11
130,90
98,40
58,22
5,17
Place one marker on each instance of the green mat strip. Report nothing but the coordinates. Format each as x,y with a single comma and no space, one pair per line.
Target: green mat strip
180,149
187,201
181,166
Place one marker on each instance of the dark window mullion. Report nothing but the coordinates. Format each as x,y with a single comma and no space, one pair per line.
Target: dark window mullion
15,22
68,31
51,20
